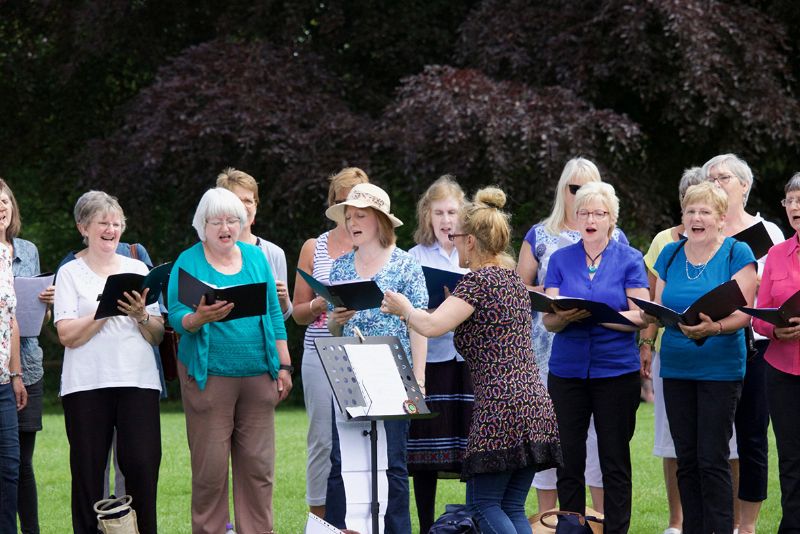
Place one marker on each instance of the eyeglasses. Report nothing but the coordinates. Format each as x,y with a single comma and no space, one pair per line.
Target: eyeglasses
217,223
723,179
339,201
105,225
574,188
452,237
598,215
790,202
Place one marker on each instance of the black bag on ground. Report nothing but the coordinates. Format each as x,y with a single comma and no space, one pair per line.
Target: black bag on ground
455,520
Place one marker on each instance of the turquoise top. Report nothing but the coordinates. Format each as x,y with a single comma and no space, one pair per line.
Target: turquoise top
719,357
209,349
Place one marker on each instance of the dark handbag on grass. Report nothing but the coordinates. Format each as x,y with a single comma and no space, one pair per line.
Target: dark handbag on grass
455,520
168,350
573,523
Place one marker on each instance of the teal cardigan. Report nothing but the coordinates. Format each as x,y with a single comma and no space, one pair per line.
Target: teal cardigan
193,347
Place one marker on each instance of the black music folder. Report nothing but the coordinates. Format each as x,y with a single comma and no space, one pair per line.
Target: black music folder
718,303
601,312
358,295
248,299
117,284
757,238
778,316
436,280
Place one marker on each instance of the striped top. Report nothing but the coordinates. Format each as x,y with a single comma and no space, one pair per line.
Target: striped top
321,271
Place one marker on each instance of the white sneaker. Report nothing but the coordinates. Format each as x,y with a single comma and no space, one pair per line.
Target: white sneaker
672,530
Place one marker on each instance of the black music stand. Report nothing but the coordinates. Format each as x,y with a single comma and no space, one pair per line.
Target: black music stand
347,392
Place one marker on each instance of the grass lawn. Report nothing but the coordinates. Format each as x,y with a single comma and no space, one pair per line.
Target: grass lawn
52,472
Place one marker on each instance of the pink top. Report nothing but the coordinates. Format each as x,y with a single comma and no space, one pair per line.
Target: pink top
780,280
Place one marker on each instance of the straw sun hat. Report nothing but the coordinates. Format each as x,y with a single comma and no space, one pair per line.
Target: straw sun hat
364,196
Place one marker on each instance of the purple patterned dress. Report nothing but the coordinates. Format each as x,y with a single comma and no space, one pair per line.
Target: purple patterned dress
513,423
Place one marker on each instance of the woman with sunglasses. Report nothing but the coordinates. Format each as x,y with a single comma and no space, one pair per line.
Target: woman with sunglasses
594,368
559,230
732,174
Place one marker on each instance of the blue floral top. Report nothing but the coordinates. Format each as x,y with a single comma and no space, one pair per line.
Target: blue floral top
26,263
401,274
543,244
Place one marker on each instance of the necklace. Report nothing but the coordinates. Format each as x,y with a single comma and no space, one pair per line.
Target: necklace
593,268
699,268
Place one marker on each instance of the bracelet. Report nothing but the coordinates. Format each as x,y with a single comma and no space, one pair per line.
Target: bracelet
647,341
311,306
407,317
720,328
13,375
145,320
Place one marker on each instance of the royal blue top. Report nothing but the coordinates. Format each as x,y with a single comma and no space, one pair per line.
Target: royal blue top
583,350
720,357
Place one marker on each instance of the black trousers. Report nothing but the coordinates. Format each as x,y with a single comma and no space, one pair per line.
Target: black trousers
90,418
751,424
783,392
700,414
613,402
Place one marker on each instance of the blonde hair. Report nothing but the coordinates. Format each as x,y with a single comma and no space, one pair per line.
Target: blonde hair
706,193
576,167
230,178
603,192
347,178
484,219
443,188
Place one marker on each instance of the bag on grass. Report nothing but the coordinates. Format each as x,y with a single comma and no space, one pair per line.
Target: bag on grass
455,520
572,522
115,516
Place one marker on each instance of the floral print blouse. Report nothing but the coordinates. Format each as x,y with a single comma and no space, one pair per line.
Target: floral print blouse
8,301
401,274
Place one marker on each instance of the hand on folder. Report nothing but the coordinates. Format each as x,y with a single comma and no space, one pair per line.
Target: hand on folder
706,328
210,313
790,333
134,305
570,316
48,295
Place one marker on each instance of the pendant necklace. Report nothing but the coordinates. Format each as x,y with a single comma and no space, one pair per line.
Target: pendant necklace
593,268
700,268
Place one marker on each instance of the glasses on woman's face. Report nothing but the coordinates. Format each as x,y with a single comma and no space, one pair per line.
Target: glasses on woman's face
790,202
217,223
722,179
598,215
574,188
452,237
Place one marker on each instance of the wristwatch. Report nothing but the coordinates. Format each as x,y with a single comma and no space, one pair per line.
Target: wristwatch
647,341
289,368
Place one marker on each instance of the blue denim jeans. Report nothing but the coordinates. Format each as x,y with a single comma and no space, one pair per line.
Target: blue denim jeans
398,517
497,501
9,459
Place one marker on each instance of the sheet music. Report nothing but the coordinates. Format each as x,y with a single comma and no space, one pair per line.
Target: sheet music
30,310
315,525
377,375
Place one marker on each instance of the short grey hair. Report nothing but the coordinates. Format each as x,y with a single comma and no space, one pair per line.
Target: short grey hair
93,203
793,184
217,202
736,165
691,176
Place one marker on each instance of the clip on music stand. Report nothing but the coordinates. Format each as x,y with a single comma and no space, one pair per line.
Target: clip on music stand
347,392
